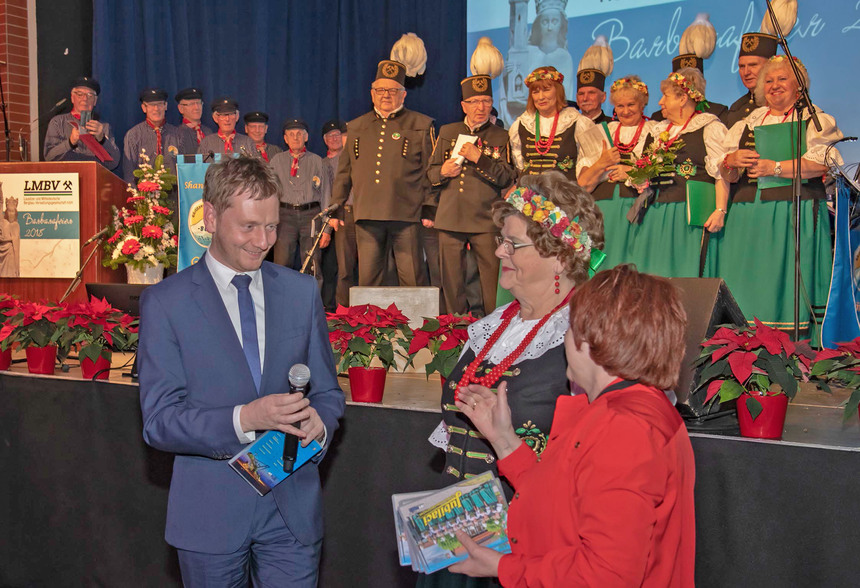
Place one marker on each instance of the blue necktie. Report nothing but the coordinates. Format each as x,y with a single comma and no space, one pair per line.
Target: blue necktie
248,321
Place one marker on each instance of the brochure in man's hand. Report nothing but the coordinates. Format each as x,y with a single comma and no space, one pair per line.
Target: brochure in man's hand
426,522
261,463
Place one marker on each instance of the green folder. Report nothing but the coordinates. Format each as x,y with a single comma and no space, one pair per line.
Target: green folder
777,142
701,202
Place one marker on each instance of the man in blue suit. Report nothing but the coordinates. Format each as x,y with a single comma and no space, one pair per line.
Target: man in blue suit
217,341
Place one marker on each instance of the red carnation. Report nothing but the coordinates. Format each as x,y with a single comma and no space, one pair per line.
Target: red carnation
130,247
152,231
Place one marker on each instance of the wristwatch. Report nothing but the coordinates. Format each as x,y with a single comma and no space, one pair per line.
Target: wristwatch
777,168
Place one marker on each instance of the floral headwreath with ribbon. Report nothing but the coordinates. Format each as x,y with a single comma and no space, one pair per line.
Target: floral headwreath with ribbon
544,212
544,73
690,90
778,58
629,83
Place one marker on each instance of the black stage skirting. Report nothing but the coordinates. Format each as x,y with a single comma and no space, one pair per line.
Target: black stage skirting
85,499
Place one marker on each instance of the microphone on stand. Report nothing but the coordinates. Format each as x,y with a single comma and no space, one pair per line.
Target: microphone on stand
210,155
299,377
328,210
96,237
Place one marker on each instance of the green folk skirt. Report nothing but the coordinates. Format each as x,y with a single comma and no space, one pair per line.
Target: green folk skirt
664,244
616,228
755,257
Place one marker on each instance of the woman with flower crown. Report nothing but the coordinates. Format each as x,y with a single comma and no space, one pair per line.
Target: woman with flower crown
664,244
551,236
627,136
760,276
550,135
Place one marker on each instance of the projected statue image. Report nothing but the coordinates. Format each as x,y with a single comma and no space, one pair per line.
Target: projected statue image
546,44
10,238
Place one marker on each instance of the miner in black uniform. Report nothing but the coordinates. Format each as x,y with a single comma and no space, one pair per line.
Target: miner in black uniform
590,94
756,49
693,60
467,191
385,165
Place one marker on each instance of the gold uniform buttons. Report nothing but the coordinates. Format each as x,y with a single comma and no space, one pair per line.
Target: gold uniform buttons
382,133
379,154
381,140
376,180
377,172
378,163
461,189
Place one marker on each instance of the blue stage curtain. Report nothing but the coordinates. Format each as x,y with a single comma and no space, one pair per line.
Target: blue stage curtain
311,60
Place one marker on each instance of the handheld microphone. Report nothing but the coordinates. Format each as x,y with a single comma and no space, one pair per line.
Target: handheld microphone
96,237
299,377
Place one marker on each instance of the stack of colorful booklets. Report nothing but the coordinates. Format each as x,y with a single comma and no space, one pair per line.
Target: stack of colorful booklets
426,522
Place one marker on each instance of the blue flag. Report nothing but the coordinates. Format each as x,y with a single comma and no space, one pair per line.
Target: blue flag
841,319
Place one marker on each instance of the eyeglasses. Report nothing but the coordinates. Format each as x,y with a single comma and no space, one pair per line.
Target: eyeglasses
225,114
479,101
80,94
386,91
509,246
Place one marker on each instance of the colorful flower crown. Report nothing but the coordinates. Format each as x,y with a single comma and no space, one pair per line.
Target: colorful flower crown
687,86
544,73
544,212
629,83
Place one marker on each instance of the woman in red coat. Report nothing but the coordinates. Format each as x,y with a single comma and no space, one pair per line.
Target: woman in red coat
610,500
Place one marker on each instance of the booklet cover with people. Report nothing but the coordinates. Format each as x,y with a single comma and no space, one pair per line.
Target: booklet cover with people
261,463
426,522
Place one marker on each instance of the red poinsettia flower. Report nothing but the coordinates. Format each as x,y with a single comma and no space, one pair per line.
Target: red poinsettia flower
131,247
773,340
152,231
742,365
146,186
132,220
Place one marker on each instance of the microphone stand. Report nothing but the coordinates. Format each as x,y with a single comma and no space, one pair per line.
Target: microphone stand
76,281
6,130
324,217
803,102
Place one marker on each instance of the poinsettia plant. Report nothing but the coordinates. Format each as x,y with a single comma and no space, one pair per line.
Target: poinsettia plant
38,324
7,303
751,361
360,334
840,367
142,234
445,337
96,325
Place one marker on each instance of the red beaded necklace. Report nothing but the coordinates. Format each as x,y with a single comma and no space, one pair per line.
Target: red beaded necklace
627,147
668,143
496,372
542,145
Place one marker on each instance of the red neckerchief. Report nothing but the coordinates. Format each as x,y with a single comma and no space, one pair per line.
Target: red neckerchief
195,126
294,166
76,115
157,130
261,149
228,140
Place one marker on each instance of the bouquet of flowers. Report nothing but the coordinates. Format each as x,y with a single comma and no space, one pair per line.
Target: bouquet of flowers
658,159
142,234
358,334
840,367
752,361
445,337
95,325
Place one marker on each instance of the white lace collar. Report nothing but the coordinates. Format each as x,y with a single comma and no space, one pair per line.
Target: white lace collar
549,337
700,120
566,118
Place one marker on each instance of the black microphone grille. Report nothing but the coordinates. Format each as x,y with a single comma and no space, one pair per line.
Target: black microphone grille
300,375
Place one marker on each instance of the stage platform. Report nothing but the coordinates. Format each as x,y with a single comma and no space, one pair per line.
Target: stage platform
86,498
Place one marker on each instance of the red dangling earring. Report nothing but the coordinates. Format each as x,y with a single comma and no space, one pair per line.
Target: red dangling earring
556,284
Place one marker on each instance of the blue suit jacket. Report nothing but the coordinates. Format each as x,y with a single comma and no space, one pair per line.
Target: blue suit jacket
193,372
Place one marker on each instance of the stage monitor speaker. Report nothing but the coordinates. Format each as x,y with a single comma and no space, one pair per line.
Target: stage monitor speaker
708,303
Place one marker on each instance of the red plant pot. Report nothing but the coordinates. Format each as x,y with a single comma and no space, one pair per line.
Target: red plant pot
367,384
90,369
442,380
5,359
768,424
41,360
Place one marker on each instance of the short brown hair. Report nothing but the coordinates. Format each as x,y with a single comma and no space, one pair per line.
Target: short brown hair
241,175
633,323
560,98
575,202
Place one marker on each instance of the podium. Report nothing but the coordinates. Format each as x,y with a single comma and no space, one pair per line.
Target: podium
99,189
